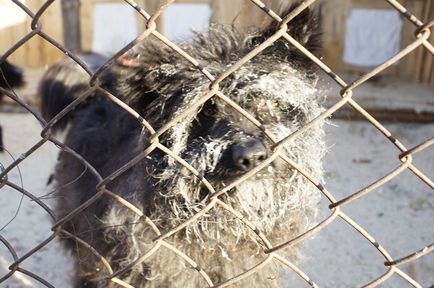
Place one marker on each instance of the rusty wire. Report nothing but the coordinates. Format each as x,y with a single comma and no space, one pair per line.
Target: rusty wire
405,155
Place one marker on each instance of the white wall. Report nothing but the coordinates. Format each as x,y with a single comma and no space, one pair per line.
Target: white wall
181,19
115,25
372,36
11,14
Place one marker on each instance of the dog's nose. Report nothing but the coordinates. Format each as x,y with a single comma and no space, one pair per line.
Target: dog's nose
248,154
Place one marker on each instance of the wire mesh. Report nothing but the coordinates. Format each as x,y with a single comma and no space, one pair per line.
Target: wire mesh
405,155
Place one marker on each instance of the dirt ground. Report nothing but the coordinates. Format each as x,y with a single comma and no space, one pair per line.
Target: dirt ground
399,215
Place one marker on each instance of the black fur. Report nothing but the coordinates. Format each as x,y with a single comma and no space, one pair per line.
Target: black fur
11,76
64,82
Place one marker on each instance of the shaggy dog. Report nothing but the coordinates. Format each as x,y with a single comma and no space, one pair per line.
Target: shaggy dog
11,76
277,87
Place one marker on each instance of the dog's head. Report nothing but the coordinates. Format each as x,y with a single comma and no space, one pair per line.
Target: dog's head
276,87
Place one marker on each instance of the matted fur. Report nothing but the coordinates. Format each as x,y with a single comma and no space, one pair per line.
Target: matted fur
277,87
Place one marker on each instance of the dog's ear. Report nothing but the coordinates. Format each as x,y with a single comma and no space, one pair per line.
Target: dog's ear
304,28
140,76
155,72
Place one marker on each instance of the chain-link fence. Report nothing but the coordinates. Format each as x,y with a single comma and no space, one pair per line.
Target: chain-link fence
217,199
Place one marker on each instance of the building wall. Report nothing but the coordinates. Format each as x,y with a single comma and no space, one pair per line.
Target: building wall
37,51
241,13
415,66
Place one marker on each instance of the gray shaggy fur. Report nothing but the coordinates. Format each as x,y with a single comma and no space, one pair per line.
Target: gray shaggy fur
277,87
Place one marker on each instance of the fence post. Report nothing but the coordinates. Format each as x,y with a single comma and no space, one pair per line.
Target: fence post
71,24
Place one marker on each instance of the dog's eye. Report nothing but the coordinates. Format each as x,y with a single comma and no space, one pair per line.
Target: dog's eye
209,109
293,112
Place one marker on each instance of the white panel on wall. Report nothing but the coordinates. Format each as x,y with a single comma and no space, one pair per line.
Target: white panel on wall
372,36
115,25
181,19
